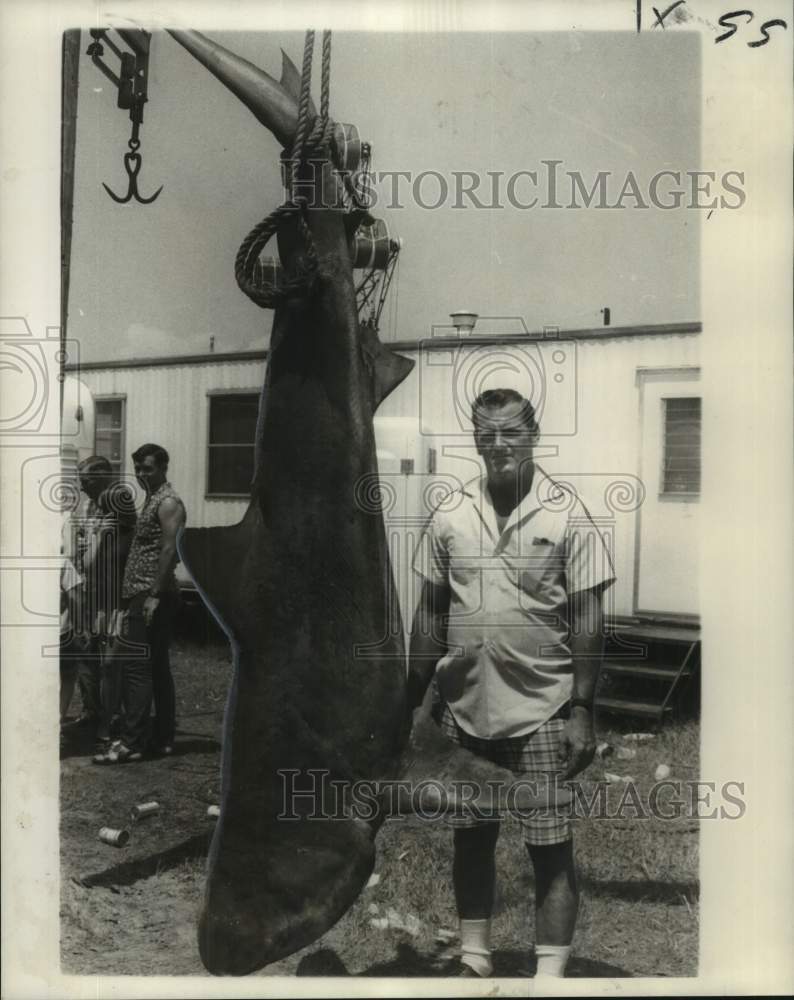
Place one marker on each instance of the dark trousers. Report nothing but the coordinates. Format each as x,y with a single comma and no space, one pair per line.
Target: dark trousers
110,691
99,680
146,674
89,676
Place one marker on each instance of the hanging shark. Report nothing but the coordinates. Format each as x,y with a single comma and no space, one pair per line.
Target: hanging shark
304,589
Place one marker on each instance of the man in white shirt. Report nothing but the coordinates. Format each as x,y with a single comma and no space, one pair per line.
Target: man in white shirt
510,623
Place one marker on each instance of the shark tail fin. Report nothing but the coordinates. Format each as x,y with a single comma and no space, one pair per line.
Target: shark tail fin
214,557
388,369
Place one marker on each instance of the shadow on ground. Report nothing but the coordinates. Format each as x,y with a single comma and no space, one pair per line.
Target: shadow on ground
409,962
649,890
79,741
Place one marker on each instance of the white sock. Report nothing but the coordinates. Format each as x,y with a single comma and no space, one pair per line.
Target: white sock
475,945
552,959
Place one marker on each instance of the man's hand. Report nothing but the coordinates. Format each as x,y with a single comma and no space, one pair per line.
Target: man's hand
150,605
428,641
577,747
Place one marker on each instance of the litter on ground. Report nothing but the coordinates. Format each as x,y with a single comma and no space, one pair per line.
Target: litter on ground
618,779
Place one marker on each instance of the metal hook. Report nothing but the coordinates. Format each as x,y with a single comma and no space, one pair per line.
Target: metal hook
132,164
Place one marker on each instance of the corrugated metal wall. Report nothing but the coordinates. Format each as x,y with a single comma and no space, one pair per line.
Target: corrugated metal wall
585,391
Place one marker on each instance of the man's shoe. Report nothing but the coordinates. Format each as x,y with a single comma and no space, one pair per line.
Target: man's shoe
119,754
462,970
466,972
102,748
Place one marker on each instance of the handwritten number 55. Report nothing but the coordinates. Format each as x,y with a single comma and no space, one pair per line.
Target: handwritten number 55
726,21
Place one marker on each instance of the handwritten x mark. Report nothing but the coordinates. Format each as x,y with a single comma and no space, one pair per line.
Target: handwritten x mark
660,17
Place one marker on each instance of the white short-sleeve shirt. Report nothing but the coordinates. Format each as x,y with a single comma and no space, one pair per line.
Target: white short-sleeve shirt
508,665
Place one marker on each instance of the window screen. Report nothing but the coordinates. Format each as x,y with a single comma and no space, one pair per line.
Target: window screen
681,472
231,443
109,431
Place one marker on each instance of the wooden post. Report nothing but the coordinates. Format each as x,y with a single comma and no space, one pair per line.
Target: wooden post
69,77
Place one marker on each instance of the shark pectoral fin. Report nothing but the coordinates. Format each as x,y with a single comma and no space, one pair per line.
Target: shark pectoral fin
214,557
388,369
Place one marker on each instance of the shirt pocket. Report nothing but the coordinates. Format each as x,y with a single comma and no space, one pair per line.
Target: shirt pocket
540,572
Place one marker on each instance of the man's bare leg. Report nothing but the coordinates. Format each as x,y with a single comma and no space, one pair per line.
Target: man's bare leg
556,904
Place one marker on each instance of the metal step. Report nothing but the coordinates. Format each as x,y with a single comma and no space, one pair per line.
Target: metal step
642,669
628,707
657,633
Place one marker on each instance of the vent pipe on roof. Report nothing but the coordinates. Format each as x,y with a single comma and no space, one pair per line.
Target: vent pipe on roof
463,321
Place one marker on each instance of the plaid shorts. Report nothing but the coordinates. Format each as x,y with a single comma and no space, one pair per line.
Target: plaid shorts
533,756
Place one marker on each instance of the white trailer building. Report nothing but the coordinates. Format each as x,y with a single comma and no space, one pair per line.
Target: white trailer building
619,410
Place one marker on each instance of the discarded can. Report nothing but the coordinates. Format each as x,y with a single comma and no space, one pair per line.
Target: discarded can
618,779
116,838
144,809
213,812
603,750
625,753
661,772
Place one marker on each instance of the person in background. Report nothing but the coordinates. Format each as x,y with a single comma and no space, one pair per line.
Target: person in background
149,594
510,626
71,582
103,541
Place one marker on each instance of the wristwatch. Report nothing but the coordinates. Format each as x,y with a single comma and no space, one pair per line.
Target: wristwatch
582,703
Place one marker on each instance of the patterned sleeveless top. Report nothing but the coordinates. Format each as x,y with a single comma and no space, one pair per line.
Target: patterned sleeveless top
140,573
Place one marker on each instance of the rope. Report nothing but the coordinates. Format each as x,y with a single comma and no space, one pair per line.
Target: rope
247,267
303,106
325,92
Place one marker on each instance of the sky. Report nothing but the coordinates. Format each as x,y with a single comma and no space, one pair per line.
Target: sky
157,280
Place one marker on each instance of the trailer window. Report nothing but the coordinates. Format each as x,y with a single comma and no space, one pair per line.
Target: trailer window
681,472
232,431
109,431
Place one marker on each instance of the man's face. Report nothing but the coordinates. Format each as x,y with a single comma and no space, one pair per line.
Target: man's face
504,441
149,474
92,482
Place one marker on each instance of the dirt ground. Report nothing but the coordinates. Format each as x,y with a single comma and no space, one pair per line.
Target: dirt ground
132,910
